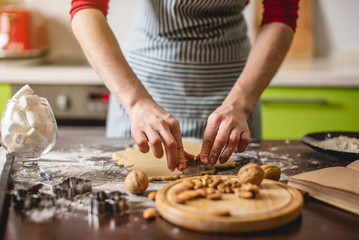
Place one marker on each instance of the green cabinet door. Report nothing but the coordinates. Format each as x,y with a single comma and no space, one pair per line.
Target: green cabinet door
289,113
5,94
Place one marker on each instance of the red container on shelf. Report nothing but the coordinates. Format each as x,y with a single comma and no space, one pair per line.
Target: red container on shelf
23,33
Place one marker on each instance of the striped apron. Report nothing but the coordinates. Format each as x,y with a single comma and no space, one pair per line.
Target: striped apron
187,54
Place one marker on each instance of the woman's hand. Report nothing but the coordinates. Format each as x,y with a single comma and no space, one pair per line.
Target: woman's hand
149,122
152,124
226,132
227,126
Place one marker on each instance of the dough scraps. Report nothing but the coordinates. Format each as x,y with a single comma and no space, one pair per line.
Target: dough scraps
156,169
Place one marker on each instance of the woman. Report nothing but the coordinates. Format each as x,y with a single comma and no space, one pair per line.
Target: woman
187,70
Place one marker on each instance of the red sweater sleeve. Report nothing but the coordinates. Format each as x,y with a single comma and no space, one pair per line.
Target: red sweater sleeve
285,11
77,5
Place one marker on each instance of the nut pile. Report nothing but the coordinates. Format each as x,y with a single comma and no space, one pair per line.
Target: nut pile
245,186
212,188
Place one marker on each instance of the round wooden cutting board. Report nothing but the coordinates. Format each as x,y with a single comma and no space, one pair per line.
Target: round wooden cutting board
275,205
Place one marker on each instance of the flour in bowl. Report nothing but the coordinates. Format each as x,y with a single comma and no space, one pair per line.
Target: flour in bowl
341,143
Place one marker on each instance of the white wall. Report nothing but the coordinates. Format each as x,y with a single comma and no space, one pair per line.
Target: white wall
336,29
63,43
336,26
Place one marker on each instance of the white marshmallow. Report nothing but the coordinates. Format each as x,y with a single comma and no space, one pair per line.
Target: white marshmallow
25,90
3,130
7,138
36,120
20,138
29,101
37,138
12,127
20,118
7,115
50,131
21,148
46,111
17,143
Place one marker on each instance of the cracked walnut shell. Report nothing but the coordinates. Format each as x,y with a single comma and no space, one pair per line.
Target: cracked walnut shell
251,173
271,172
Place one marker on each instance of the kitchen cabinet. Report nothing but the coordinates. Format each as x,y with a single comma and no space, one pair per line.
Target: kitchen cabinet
5,94
291,112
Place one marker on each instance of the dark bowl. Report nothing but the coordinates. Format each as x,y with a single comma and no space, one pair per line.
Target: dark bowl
312,138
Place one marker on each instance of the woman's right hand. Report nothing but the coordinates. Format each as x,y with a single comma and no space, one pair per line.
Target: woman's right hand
152,124
149,122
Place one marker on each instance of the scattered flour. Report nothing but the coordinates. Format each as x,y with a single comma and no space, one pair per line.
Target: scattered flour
94,162
271,158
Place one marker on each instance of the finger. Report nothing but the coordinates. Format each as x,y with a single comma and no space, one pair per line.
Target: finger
208,140
141,141
219,143
181,165
171,137
189,156
176,131
243,142
232,143
171,149
156,143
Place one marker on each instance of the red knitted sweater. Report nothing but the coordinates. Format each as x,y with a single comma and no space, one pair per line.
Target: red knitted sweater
285,11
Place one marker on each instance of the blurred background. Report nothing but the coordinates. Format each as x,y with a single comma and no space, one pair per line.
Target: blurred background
316,89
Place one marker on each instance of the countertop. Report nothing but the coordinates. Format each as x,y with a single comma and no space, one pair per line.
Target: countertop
89,157
339,71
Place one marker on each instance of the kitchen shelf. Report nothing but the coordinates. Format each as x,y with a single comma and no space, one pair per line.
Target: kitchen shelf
339,71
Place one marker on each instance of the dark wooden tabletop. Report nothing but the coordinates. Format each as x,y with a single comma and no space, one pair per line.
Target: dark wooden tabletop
317,221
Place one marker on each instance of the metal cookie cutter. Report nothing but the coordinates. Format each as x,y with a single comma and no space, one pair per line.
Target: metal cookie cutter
27,199
71,187
111,203
195,166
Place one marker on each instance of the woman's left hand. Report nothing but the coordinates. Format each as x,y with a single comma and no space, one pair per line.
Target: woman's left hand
227,131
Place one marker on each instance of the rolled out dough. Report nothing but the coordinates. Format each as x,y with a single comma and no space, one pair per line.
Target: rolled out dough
156,169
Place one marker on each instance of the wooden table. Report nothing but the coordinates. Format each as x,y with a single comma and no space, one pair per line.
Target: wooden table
317,221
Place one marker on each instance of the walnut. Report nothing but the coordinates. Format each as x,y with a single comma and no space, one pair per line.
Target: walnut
271,172
136,182
251,173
